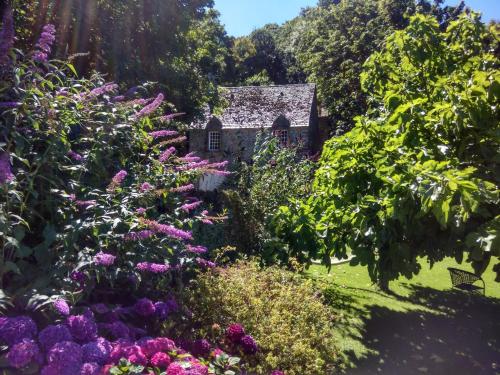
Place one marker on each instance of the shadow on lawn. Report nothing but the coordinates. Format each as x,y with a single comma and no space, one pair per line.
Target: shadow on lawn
460,336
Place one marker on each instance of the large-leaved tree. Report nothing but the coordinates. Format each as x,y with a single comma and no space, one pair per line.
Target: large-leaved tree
418,175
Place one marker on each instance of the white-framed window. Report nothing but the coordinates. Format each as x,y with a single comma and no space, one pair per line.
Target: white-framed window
282,136
214,141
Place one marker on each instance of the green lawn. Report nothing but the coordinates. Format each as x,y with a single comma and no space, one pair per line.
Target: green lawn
424,327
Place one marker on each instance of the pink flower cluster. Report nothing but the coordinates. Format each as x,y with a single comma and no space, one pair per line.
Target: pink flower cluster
169,230
166,154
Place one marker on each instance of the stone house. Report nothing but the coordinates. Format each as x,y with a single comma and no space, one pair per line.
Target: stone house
290,112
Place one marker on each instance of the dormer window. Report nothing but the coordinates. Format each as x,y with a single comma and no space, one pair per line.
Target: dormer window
282,136
214,141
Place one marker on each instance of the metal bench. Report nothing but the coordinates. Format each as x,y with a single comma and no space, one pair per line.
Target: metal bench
465,280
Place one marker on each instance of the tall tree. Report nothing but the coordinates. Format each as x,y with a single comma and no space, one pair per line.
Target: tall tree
418,175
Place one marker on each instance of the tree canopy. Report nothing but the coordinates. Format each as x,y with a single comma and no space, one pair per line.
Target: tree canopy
418,175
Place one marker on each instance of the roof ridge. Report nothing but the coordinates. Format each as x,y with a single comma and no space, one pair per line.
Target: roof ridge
264,86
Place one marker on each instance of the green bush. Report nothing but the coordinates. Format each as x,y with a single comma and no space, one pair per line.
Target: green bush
284,313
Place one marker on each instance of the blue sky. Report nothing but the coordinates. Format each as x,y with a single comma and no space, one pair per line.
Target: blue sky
242,16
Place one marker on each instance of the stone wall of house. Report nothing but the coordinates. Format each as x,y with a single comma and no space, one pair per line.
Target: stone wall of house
238,143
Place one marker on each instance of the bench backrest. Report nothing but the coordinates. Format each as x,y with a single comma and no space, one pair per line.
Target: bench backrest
459,277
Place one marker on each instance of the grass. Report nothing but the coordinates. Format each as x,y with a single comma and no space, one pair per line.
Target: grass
422,327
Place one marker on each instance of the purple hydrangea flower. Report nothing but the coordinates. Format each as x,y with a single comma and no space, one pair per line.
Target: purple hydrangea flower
248,344
97,351
14,330
53,334
161,310
166,154
44,45
90,368
118,330
172,304
197,369
103,259
65,353
68,369
161,360
23,353
83,328
100,308
235,333
5,171
201,348
175,368
61,306
144,307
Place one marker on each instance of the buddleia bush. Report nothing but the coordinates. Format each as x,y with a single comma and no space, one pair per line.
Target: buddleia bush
284,312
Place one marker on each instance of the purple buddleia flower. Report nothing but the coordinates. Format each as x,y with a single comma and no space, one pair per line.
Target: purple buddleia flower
10,104
14,330
163,133
23,353
183,189
104,89
5,171
169,230
82,327
53,334
170,117
166,154
103,259
218,172
192,166
7,35
188,207
150,108
119,177
196,249
190,159
137,236
140,211
146,186
222,164
205,263
75,156
44,45
61,307
153,267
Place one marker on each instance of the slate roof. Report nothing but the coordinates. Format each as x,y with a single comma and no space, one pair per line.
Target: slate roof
260,106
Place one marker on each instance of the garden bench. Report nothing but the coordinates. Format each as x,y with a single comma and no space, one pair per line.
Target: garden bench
465,280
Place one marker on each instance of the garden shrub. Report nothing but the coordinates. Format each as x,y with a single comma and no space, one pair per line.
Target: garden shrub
284,312
276,175
96,210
